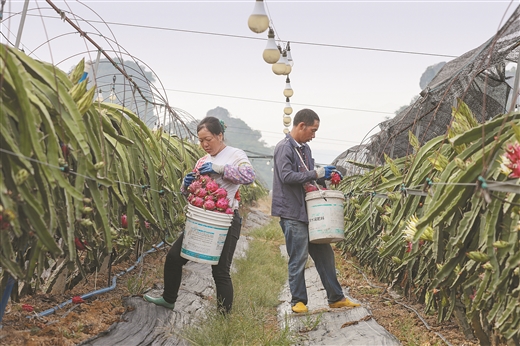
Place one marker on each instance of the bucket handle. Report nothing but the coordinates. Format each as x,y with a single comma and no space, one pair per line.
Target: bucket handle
313,181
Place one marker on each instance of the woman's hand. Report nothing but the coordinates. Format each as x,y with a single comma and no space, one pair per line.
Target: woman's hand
188,179
209,167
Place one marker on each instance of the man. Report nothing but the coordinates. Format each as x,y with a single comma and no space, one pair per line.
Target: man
293,169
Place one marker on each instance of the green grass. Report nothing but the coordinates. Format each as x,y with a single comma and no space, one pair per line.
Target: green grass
257,283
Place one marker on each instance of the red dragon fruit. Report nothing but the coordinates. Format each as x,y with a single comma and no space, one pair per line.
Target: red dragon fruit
229,211
335,178
202,192
212,186
198,202
221,193
194,186
209,205
222,204
310,188
209,197
513,155
204,179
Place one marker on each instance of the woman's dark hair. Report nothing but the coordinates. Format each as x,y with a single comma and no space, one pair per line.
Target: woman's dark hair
213,125
307,116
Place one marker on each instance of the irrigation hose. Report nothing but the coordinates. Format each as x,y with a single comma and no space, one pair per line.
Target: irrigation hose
101,290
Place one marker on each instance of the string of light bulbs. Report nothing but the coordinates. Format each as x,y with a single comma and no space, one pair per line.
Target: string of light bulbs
273,54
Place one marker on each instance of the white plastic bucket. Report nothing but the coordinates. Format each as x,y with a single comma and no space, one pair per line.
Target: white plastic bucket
326,219
204,235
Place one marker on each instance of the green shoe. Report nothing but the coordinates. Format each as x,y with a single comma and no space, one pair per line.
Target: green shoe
159,301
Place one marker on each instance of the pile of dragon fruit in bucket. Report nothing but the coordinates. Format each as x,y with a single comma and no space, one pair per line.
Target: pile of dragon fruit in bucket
204,192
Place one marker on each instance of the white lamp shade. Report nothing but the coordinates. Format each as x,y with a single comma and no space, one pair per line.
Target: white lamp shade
258,21
279,67
271,52
288,91
288,68
288,109
289,58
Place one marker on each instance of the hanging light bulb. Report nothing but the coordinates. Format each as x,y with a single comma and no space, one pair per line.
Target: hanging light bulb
112,96
258,21
286,130
288,67
286,120
280,66
271,52
288,92
99,96
288,109
289,55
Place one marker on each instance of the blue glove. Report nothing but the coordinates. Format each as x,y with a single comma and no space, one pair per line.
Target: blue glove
188,179
325,172
209,167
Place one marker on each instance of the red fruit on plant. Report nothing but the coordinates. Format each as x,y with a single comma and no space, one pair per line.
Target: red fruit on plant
77,300
237,195
124,221
146,224
79,244
27,307
222,204
335,178
64,150
221,193
209,205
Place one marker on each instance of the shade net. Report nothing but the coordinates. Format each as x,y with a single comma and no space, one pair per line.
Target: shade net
477,77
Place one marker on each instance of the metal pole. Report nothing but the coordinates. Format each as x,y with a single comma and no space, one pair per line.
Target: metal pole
515,87
22,22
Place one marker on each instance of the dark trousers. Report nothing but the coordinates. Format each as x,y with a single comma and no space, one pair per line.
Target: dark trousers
174,262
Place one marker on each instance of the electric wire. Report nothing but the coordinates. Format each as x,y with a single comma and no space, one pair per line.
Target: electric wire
263,39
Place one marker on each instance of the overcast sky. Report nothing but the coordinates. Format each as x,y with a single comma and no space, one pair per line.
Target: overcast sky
346,66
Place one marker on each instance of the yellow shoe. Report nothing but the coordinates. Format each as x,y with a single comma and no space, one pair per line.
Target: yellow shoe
299,308
344,303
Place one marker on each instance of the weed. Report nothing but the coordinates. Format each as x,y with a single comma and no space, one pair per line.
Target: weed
138,284
310,322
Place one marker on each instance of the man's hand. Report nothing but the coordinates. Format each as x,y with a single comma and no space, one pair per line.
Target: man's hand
188,179
209,167
325,172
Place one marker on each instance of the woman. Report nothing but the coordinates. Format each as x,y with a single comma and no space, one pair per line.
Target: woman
230,168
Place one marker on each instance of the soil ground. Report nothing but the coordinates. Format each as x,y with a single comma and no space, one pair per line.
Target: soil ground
77,322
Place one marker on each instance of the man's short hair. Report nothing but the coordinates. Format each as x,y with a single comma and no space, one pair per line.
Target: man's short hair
306,116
